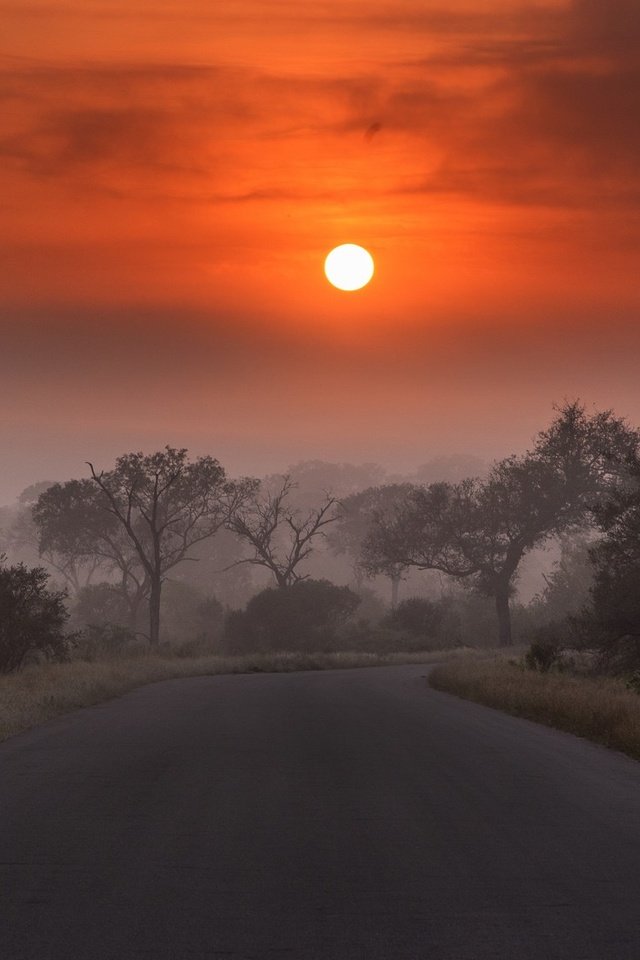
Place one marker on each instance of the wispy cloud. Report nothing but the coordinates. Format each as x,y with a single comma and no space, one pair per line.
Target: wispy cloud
501,114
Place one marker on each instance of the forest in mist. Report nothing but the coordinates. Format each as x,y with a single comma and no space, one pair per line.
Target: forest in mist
161,550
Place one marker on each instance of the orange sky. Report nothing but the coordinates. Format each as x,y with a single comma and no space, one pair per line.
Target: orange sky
175,171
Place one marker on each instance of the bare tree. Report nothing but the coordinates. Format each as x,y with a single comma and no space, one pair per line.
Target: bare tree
280,537
166,504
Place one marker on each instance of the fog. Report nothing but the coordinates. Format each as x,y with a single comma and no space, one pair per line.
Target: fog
225,569
231,480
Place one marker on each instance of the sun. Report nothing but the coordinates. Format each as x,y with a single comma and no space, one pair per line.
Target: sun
349,267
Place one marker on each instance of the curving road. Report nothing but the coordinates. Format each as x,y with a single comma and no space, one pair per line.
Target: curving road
347,815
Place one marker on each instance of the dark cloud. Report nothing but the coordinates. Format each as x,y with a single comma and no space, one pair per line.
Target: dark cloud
536,107
556,124
607,27
185,133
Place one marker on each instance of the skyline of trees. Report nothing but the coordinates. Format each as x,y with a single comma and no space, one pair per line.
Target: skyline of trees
144,519
478,531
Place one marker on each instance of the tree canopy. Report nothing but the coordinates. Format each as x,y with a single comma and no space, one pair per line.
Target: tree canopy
305,615
479,530
166,503
357,515
616,588
76,528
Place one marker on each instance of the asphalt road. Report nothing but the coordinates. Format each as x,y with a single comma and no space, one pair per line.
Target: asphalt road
348,815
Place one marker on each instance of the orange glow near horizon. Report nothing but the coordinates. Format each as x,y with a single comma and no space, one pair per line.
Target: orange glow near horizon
174,180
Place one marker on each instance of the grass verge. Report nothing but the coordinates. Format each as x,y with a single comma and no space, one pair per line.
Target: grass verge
47,690
599,709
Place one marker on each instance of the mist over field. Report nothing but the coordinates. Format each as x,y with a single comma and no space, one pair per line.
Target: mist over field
319,340
161,548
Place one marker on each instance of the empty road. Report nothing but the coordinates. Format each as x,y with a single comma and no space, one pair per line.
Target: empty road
347,815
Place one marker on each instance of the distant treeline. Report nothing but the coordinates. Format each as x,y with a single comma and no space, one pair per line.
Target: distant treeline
162,547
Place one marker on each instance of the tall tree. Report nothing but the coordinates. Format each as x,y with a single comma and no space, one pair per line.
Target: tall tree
166,504
567,585
62,544
356,515
75,527
615,593
280,537
479,531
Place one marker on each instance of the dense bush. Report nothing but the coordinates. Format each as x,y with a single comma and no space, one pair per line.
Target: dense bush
609,625
109,625
305,616
556,644
616,602
615,594
102,641
542,655
458,618
32,618
417,616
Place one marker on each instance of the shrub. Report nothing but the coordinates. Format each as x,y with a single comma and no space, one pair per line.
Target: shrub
304,616
418,616
633,682
542,655
594,707
101,641
616,599
547,646
32,618
453,620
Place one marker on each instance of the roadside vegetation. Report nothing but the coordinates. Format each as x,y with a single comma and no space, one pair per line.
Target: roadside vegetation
598,708
165,567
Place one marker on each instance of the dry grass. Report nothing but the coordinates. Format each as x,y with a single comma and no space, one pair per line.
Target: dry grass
600,709
47,690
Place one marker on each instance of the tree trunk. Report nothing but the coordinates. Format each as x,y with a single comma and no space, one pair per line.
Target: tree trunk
395,586
504,615
154,612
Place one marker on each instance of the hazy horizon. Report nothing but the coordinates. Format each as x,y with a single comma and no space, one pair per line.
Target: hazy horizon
174,183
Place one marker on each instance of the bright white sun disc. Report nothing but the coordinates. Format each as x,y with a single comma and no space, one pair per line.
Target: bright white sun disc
349,267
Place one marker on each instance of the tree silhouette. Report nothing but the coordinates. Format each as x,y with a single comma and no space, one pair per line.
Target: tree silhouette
74,527
32,618
479,531
356,516
166,504
280,537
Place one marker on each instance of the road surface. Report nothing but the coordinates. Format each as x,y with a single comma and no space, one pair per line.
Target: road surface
347,815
